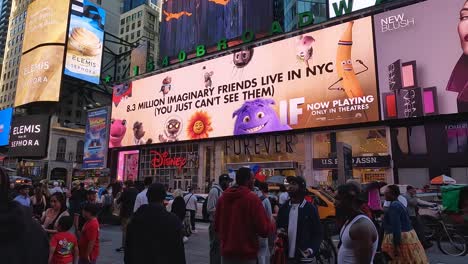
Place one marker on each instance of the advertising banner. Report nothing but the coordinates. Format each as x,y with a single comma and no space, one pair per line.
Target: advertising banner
343,7
95,151
40,75
29,136
419,74
5,123
321,78
85,41
46,22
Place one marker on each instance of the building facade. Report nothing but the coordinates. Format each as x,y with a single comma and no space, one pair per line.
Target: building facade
294,7
5,10
128,5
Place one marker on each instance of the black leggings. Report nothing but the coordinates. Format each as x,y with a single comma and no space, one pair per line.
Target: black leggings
192,218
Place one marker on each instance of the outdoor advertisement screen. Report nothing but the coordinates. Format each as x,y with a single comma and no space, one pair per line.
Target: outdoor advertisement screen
29,136
321,78
5,122
46,22
40,75
186,24
85,42
95,151
422,54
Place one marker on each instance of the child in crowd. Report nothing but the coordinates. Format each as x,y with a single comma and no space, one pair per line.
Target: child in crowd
63,245
89,239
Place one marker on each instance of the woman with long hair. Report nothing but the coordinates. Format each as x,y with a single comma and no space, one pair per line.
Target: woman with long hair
52,215
400,240
38,202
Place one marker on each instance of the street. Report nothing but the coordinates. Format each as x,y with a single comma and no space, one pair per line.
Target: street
197,248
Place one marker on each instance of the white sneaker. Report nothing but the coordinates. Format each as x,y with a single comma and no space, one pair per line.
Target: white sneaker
185,239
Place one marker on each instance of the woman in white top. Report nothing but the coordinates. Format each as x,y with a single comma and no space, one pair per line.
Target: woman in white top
358,236
51,216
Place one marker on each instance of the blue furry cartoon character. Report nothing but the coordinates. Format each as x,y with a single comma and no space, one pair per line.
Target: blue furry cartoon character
257,116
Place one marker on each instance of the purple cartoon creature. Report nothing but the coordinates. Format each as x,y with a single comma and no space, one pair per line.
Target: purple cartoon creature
257,116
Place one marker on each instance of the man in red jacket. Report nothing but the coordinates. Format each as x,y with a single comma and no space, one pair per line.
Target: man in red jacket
239,220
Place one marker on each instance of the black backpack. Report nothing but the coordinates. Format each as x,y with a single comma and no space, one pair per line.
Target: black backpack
205,205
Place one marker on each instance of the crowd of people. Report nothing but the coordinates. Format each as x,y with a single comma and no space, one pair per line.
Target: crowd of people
246,224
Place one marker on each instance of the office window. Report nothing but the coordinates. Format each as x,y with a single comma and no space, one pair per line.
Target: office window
61,149
134,16
138,33
122,21
127,28
132,36
127,19
121,30
140,13
139,23
133,26
79,151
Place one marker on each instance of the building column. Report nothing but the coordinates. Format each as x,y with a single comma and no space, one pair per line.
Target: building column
308,159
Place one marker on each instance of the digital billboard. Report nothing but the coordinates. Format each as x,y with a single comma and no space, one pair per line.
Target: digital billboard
29,136
343,7
95,149
40,75
46,22
321,78
5,122
186,24
85,42
420,74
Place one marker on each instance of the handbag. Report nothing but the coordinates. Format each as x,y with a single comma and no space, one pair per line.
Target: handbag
279,249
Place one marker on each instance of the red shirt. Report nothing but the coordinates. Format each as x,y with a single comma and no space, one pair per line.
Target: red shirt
64,244
89,233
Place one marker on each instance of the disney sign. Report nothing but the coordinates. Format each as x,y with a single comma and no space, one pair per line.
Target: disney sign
164,160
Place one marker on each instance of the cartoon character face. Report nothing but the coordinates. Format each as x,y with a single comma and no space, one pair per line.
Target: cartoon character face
173,127
166,85
257,116
121,92
304,49
198,127
243,57
138,130
117,132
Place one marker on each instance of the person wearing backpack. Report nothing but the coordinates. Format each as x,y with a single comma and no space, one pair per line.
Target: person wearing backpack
209,209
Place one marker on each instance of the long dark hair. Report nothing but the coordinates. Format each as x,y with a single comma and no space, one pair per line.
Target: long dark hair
61,199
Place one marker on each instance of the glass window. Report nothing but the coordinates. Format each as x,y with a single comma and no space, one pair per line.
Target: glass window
133,26
79,151
140,13
122,21
139,23
127,28
138,33
121,30
61,149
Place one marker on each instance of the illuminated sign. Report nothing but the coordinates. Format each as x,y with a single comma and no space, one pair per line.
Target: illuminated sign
165,160
29,136
95,149
5,122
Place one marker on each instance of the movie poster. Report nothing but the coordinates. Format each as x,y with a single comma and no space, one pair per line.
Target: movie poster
95,151
321,78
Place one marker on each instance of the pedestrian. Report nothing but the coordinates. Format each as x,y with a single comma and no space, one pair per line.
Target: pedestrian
154,235
239,220
63,244
89,239
79,219
127,203
52,215
358,236
283,195
400,241
178,208
264,245
23,196
301,222
38,202
141,198
22,239
216,191
413,212
191,203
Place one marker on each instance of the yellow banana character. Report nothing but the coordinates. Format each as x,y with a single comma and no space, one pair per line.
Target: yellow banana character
344,64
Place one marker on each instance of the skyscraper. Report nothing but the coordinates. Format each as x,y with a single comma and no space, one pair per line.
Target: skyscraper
5,9
132,4
294,7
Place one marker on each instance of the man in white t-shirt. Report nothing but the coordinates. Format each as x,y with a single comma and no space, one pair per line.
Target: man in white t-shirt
191,206
141,198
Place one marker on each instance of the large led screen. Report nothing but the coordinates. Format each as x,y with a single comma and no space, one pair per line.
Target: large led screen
321,78
29,136
186,24
40,75
46,22
5,122
85,42
422,54
95,149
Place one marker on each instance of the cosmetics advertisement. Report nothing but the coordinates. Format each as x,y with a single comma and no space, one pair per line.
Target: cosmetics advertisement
321,78
85,41
419,74
5,122
95,149
40,75
29,136
457,137
46,22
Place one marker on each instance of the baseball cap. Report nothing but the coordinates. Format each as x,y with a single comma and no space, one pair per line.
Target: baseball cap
225,177
297,179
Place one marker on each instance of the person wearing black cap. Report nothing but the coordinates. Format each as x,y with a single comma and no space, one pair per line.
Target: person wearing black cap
212,200
300,220
154,235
